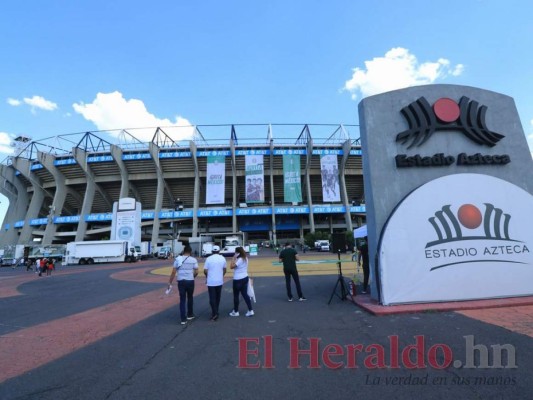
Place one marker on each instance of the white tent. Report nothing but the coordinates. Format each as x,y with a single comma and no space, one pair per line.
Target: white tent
360,232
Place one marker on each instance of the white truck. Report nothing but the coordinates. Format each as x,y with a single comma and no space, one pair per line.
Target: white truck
166,250
207,249
145,250
231,243
100,251
322,245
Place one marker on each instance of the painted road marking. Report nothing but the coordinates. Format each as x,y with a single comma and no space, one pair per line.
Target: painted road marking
32,347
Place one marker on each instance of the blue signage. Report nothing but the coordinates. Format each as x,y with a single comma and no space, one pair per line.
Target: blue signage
99,217
207,153
136,156
36,166
280,152
328,209
175,154
264,152
292,210
221,212
254,211
65,161
147,215
175,214
358,209
356,152
38,221
97,159
338,152
18,224
67,219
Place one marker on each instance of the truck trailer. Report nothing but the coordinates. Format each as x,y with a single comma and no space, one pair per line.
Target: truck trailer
100,251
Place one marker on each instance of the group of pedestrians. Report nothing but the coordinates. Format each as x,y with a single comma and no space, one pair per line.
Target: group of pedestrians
186,269
215,268
44,265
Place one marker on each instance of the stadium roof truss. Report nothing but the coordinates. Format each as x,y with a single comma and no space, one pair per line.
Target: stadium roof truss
212,136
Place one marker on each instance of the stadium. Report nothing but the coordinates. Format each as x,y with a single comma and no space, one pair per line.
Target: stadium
62,189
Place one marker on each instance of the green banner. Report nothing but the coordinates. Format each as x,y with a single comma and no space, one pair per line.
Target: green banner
292,185
216,179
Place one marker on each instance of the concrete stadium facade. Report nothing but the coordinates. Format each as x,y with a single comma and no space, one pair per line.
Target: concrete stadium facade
59,194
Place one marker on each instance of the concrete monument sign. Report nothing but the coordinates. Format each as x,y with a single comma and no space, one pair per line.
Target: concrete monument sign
448,187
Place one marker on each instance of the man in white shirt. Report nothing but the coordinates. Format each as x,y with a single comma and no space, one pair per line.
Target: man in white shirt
186,268
215,269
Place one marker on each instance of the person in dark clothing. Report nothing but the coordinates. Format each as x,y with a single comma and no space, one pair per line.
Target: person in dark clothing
363,254
288,257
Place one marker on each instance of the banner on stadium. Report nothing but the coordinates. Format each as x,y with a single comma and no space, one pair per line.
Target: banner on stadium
292,185
255,185
330,177
216,179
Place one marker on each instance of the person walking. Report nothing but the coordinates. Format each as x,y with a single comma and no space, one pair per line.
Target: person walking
363,255
239,265
42,266
49,267
186,268
288,257
214,270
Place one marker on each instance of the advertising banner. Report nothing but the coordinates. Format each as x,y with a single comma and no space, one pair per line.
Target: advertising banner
469,237
125,220
216,179
292,185
330,178
255,183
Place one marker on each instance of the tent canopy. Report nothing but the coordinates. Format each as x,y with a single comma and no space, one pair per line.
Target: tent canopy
360,232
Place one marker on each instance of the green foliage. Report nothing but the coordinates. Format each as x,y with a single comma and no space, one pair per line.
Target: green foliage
350,241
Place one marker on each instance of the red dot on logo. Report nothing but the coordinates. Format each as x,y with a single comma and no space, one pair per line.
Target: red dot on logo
469,216
446,110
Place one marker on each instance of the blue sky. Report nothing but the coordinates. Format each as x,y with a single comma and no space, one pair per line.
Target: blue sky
93,65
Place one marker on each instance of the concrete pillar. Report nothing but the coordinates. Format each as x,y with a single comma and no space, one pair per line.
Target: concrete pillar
47,160
116,153
17,195
154,151
80,156
346,147
39,194
234,224
274,237
196,194
308,184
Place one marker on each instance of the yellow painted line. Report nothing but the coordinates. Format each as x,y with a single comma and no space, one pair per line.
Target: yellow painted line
263,267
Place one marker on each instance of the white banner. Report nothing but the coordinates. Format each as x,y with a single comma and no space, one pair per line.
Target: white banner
459,237
255,183
330,178
216,179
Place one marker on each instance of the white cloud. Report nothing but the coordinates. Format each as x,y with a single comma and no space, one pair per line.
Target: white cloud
397,69
40,102
112,111
5,143
13,102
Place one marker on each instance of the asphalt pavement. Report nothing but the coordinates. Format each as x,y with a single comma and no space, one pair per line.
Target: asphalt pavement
296,350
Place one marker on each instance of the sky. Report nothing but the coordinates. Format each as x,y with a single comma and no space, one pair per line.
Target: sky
82,66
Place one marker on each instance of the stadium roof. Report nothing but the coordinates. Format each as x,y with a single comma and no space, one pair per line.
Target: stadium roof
181,136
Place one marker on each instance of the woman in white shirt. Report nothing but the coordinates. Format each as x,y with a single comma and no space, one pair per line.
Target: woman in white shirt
239,265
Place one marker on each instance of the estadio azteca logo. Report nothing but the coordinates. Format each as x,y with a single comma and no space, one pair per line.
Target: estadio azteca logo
467,117
470,224
458,237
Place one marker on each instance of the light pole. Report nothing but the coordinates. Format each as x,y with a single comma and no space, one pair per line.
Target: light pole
178,206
